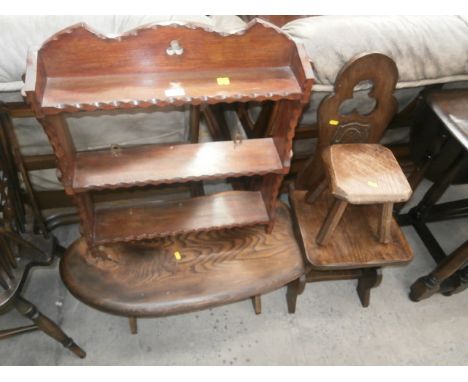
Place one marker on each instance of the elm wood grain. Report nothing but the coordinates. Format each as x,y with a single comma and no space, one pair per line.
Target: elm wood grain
382,72
354,243
428,285
451,107
17,256
144,278
142,165
365,174
155,219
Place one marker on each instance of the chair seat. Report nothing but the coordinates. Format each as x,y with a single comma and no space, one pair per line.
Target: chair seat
365,174
145,278
354,243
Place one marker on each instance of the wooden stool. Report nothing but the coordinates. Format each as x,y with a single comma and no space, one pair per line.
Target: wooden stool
362,174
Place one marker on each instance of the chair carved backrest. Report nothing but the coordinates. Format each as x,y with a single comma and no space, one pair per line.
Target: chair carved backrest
335,126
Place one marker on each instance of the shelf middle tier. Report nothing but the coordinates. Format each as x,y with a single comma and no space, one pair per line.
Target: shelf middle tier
166,218
144,165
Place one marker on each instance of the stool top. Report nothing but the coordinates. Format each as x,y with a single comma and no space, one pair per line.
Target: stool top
365,174
451,106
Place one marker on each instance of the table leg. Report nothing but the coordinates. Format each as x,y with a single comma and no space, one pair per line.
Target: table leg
426,286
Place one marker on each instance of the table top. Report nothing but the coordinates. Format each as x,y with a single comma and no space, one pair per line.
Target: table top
451,106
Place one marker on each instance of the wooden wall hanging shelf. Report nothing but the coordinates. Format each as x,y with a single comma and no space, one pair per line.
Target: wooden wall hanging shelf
78,70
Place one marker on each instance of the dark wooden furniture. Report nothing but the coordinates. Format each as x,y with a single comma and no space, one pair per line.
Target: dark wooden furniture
354,250
184,273
17,256
451,274
361,174
157,258
77,70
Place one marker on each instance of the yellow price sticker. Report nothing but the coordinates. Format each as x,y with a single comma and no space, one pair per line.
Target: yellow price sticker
372,184
334,122
223,81
177,255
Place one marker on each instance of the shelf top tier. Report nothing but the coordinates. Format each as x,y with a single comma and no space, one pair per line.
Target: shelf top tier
80,70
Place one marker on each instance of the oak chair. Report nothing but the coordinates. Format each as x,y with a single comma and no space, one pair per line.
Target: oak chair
355,165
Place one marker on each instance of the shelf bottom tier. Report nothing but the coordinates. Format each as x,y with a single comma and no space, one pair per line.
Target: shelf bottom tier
184,273
156,219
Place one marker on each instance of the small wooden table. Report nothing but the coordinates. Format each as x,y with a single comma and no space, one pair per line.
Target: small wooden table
451,274
184,273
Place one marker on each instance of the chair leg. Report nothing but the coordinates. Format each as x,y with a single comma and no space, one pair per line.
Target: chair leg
47,326
257,304
385,223
332,220
133,325
295,288
371,278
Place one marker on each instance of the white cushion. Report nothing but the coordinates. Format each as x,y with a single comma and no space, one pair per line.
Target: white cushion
426,49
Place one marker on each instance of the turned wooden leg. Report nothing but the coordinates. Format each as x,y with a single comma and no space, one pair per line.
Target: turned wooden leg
332,220
311,196
371,278
385,223
428,285
295,288
257,304
47,326
133,325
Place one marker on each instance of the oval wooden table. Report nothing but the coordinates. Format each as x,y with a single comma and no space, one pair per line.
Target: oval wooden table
184,273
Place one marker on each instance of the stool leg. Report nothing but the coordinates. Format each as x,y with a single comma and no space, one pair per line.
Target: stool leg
311,196
133,325
257,304
332,220
385,223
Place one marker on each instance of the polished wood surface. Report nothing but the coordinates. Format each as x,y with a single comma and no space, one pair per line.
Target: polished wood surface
79,70
156,89
365,174
451,106
151,164
184,273
67,74
155,219
354,242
